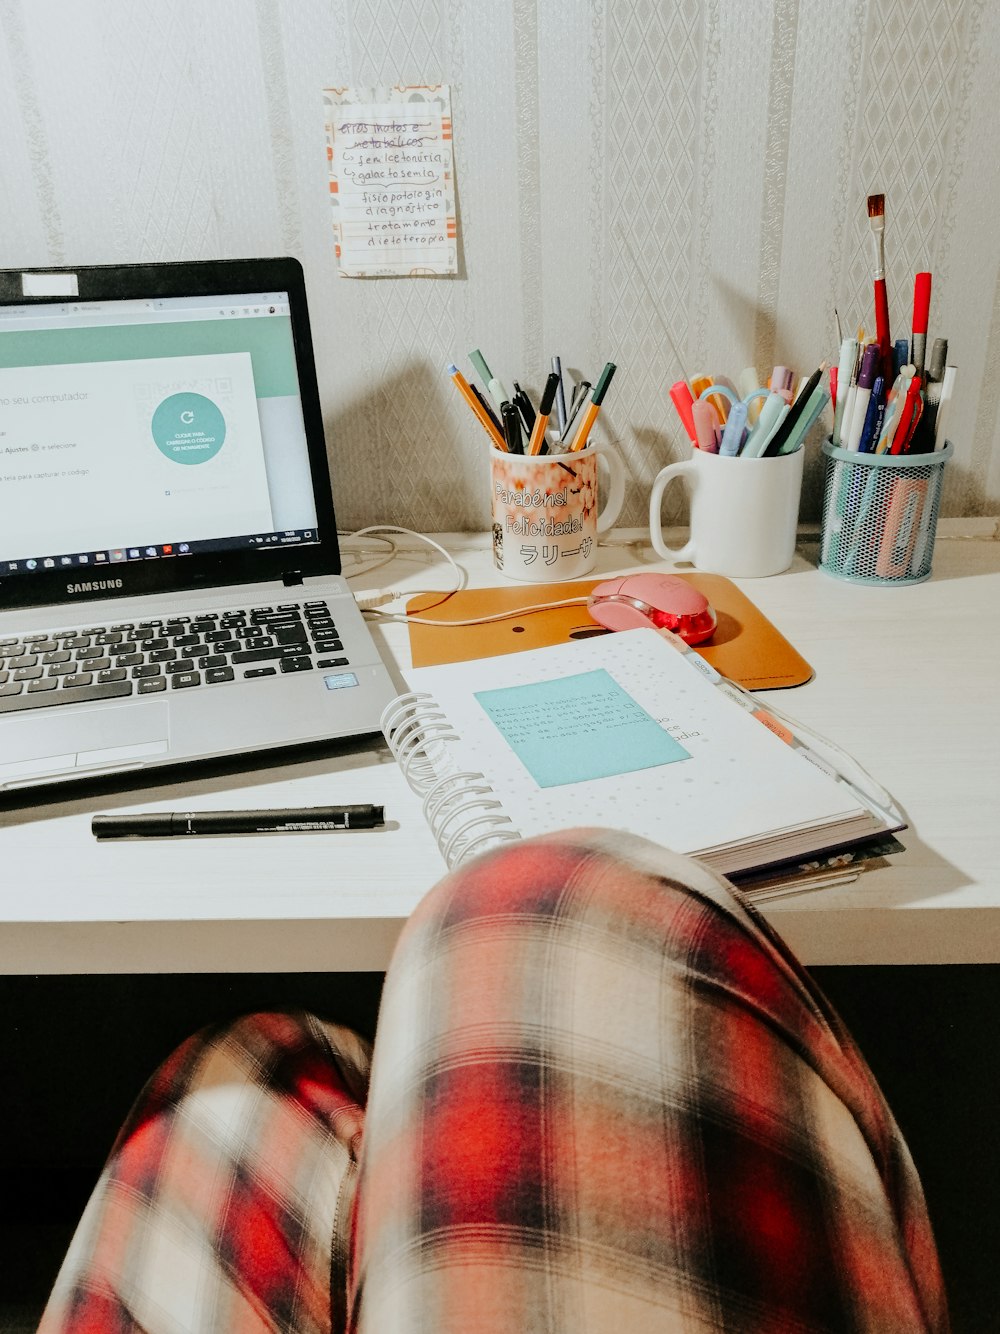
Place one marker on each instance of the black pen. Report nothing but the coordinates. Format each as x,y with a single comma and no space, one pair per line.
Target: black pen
511,427
301,820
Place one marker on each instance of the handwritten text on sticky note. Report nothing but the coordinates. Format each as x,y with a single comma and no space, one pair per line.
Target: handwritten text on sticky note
578,727
391,180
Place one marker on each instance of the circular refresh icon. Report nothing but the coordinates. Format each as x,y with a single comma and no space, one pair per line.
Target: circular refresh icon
188,428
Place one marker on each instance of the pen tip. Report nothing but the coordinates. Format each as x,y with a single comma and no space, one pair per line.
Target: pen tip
452,370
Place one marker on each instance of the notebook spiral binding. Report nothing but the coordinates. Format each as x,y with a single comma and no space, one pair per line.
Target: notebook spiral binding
460,807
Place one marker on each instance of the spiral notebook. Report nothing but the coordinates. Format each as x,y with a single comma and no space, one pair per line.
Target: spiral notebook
631,731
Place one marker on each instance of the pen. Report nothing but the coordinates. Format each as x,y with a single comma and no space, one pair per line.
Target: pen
560,394
845,375
579,398
465,389
873,417
536,444
484,403
593,408
799,405
169,824
525,407
850,431
511,427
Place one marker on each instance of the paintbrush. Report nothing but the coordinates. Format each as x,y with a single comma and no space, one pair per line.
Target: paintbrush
876,220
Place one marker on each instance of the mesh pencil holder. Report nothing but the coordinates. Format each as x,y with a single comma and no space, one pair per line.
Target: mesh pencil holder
880,515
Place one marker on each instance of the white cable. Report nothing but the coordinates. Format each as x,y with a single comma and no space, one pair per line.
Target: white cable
420,619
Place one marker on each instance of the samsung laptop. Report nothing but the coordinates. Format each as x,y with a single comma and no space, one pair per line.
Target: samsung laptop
170,584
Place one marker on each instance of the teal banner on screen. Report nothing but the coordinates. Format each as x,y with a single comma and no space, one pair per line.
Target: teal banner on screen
269,342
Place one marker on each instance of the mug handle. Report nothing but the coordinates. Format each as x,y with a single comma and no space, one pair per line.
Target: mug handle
616,495
664,477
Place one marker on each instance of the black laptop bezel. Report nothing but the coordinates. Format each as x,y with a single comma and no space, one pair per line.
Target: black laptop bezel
290,563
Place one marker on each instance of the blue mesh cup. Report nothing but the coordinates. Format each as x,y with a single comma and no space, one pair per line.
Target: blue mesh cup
880,515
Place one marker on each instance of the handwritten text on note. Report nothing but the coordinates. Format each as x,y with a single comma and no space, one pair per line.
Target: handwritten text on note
578,727
391,180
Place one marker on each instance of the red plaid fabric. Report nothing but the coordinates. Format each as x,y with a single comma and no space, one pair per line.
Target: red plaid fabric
604,1096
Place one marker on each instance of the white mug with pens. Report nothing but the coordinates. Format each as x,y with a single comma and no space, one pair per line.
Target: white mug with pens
744,477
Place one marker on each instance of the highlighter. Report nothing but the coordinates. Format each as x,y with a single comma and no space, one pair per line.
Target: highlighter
774,408
732,436
705,421
683,399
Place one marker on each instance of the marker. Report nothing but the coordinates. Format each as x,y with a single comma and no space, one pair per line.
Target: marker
593,408
921,311
944,404
300,820
465,389
818,400
802,399
536,444
511,427
496,390
767,422
682,399
851,431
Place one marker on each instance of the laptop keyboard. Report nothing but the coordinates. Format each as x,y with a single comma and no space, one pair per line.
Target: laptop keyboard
43,669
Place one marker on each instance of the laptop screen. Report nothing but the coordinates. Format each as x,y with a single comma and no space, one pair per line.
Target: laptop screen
150,430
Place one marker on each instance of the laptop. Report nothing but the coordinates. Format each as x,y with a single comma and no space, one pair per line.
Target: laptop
170,584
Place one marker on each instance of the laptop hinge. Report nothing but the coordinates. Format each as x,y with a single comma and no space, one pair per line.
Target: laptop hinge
291,577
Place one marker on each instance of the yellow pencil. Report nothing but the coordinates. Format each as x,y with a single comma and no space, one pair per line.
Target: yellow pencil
483,416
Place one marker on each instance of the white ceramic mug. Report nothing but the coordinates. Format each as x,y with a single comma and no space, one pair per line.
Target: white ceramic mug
546,514
744,512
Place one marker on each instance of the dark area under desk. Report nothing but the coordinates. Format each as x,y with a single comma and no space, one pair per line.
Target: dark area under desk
77,1049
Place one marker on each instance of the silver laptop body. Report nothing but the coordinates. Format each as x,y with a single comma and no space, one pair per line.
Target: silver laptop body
170,584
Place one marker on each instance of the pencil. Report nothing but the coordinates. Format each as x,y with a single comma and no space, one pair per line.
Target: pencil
465,389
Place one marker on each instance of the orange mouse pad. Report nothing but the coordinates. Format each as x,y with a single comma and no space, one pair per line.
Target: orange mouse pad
746,647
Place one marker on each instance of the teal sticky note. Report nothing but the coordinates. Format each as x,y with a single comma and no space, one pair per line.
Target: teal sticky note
578,727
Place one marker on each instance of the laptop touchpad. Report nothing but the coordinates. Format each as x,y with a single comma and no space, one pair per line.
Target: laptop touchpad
93,736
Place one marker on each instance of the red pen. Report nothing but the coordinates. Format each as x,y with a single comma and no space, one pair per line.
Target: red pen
909,415
834,372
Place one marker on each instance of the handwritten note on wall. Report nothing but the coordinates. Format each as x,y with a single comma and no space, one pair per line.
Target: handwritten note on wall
392,184
574,728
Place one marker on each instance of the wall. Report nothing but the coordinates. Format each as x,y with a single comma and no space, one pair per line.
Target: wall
624,168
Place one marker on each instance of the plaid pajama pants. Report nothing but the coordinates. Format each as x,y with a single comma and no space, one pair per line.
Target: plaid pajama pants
604,1097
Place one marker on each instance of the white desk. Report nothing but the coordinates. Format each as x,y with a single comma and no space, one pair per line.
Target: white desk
906,679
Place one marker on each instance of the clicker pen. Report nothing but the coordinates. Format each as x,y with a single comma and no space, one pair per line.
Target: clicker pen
172,824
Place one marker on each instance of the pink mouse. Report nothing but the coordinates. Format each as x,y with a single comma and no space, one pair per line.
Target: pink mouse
661,600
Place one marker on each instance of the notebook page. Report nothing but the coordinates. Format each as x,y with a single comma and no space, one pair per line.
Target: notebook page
619,731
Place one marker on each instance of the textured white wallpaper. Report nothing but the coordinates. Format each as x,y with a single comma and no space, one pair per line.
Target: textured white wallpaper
628,172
